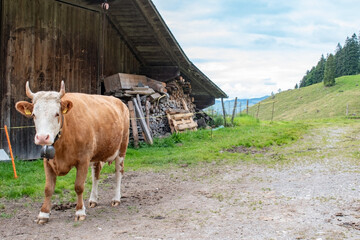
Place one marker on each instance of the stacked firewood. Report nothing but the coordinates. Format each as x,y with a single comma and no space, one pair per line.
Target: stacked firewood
149,103
180,90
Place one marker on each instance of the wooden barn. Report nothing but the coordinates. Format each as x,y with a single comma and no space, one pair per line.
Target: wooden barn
46,41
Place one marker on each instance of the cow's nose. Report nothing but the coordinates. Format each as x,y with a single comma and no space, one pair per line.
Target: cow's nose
42,139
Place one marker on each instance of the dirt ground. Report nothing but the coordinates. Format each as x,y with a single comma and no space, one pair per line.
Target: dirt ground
313,193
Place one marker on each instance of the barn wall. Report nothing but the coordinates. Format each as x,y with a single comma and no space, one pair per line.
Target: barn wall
45,42
2,77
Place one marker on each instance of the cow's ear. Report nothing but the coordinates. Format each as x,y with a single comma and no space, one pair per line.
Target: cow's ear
25,108
66,106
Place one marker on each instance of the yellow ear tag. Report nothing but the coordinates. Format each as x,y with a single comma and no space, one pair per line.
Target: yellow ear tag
65,111
27,112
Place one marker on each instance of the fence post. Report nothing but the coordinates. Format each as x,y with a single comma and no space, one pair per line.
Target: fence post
224,113
257,114
247,106
272,114
233,114
347,109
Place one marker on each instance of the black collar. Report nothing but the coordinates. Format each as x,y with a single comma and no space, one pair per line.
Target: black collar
60,131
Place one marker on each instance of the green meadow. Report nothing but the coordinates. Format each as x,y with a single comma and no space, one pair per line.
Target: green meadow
186,149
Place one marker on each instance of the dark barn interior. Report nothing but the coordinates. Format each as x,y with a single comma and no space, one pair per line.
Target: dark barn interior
47,41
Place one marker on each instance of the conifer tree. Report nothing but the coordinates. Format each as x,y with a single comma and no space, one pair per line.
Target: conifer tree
329,75
339,61
352,55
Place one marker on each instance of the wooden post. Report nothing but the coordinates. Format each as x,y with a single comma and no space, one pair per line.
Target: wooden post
272,114
247,106
234,110
144,127
347,109
224,113
147,108
133,124
240,107
257,113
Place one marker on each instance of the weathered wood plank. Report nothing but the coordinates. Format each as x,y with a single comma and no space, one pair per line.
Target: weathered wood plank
133,124
144,127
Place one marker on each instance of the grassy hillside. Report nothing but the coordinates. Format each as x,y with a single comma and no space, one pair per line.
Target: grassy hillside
315,101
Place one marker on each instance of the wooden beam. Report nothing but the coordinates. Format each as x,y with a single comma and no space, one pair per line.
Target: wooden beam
133,124
161,73
144,127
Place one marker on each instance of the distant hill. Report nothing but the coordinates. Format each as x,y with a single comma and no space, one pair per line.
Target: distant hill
315,101
229,105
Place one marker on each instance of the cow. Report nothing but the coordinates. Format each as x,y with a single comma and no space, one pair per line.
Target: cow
85,130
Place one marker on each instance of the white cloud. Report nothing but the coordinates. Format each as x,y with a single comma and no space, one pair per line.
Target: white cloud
250,51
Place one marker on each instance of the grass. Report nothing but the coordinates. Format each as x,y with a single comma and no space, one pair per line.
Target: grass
313,102
188,148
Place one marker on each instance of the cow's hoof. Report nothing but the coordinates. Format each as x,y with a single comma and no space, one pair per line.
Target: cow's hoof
80,218
92,204
115,203
42,221
42,218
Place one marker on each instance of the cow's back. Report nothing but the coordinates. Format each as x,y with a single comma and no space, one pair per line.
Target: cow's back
95,126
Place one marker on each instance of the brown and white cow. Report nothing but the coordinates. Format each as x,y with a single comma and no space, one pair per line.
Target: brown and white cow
85,130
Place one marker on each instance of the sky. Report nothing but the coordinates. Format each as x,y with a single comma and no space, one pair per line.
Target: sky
251,48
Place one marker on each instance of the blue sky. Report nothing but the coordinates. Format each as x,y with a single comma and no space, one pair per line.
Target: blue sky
251,48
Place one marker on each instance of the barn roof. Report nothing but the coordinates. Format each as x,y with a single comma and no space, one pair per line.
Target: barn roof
147,35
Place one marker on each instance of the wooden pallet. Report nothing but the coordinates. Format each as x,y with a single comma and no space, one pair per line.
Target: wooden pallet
180,122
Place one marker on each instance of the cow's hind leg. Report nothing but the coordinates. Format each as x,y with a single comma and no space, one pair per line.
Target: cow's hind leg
81,172
50,175
95,175
119,171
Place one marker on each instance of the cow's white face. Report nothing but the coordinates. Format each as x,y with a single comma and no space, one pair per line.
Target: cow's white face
47,118
46,109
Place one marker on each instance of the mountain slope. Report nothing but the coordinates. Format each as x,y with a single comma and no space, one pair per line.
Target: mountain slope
229,105
315,101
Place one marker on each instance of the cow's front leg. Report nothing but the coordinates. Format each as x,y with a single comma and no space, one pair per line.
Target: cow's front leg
50,175
119,169
81,172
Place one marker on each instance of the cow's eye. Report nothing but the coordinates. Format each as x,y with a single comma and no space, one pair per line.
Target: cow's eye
57,115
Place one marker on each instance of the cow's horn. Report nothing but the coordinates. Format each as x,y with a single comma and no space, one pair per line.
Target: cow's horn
29,93
62,89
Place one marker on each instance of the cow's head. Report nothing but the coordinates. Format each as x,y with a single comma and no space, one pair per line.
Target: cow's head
47,109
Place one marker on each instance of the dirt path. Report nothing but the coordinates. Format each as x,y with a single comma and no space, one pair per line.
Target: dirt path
313,194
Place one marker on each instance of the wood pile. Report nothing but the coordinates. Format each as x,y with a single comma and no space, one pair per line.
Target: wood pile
156,108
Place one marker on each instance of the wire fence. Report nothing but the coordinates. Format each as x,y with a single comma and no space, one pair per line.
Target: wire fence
273,110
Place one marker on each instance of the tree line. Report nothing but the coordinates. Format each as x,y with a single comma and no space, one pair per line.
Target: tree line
345,61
